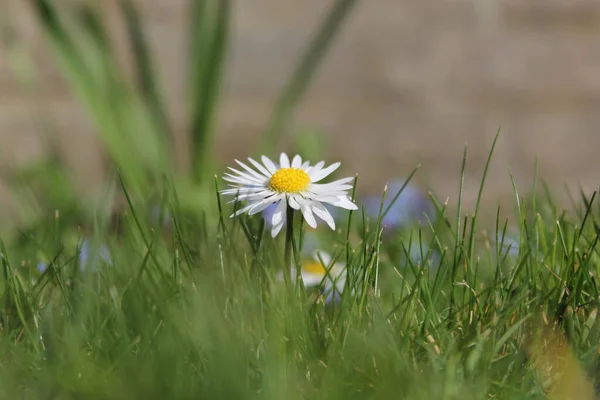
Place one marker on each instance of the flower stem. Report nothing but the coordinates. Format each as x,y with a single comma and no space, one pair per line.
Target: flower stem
289,232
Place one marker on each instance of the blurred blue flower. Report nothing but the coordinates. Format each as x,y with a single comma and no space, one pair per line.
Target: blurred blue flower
419,256
412,206
508,243
42,266
267,215
90,254
154,214
311,242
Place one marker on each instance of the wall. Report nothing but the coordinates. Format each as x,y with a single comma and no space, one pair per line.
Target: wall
407,82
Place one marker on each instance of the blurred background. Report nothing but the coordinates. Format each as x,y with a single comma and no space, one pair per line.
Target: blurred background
405,83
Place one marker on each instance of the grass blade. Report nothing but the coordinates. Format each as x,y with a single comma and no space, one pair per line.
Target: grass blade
144,66
479,196
209,34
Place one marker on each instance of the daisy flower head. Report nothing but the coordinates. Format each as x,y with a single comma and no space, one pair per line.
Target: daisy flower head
290,184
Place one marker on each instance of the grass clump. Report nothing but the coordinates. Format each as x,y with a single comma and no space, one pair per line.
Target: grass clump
194,308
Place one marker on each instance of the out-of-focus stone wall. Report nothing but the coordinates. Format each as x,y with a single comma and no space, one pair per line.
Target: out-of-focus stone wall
407,82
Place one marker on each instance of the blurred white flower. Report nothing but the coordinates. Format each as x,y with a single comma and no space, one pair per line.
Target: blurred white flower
331,279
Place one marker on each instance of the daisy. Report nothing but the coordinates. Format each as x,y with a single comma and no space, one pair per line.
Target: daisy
292,184
330,278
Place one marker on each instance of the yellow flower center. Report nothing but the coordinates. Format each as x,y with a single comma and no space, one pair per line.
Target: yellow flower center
314,267
289,180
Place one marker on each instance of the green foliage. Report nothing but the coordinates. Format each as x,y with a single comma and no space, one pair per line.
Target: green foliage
188,310
208,33
124,120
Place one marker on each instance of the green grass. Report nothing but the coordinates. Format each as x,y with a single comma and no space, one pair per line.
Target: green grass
192,310
189,304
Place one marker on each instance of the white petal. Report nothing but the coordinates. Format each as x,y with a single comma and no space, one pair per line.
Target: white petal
322,212
330,198
241,183
246,195
253,196
248,198
279,214
239,191
292,274
308,214
321,255
244,209
341,181
326,197
258,207
296,161
234,189
315,168
259,180
259,167
305,165
333,200
251,171
346,203
293,202
279,276
334,187
317,176
284,161
269,164
240,180
276,229
311,279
